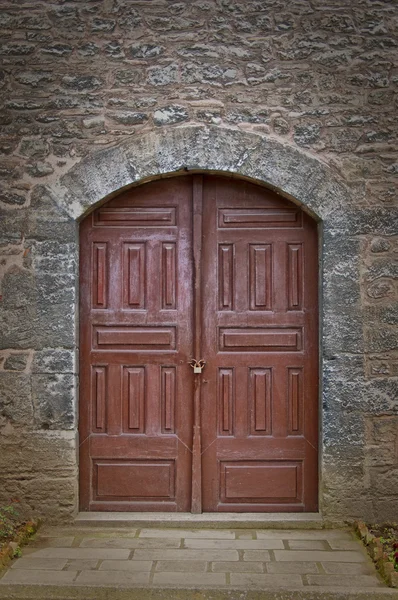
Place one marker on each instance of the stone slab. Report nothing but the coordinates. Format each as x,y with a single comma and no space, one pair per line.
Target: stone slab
129,543
257,555
82,565
37,577
307,545
235,544
82,553
356,581
57,542
307,534
48,564
237,567
126,565
319,556
209,555
266,581
189,579
175,566
300,568
110,578
183,533
283,521
343,544
365,568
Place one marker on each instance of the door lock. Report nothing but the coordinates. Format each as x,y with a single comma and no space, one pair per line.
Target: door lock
197,365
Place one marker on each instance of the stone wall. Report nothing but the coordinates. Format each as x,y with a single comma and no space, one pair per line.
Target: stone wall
84,83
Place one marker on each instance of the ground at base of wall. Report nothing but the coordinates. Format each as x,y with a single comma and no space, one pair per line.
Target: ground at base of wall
14,533
148,563
382,545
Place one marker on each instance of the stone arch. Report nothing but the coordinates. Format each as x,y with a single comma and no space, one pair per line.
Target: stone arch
297,176
159,153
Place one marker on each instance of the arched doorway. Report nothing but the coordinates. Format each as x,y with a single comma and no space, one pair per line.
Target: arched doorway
199,267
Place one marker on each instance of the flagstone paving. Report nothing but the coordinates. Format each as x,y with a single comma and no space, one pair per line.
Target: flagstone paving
213,558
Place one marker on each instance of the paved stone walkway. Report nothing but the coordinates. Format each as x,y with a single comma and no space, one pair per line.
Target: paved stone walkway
233,559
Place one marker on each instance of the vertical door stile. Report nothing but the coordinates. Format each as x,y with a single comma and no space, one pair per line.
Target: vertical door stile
196,503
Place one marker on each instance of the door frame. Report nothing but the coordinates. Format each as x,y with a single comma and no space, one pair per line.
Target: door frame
264,161
197,183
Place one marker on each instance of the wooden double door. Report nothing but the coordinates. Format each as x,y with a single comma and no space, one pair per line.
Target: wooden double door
198,267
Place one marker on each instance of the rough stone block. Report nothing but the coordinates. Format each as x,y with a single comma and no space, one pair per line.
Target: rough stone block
16,362
53,398
19,288
53,361
15,399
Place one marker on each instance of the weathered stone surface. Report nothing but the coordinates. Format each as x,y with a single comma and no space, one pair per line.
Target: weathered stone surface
12,198
160,76
274,93
19,288
39,468
128,77
114,50
34,78
40,169
16,49
169,115
305,135
34,148
53,401
53,361
129,118
82,83
145,51
55,50
15,400
106,25
16,362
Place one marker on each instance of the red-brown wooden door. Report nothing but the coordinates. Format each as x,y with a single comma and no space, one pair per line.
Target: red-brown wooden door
135,340
259,338
220,268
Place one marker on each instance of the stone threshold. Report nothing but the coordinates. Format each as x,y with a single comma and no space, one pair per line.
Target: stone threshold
206,520
76,592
